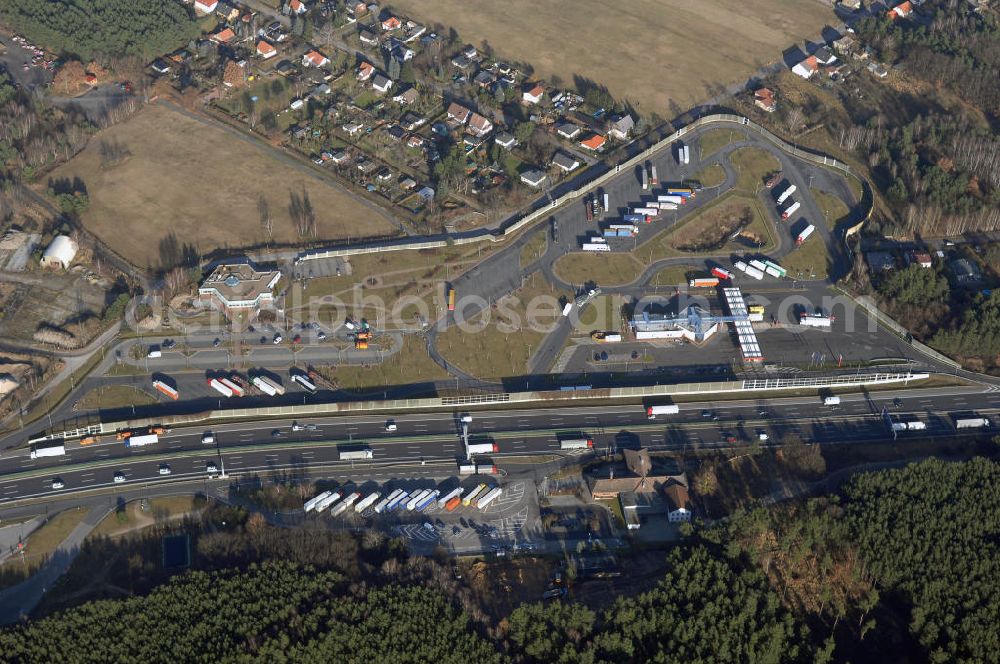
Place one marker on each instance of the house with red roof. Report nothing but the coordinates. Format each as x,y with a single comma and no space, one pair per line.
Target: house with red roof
365,71
315,59
391,23
807,67
458,113
205,6
298,7
533,95
901,10
595,142
266,50
479,125
763,98
224,36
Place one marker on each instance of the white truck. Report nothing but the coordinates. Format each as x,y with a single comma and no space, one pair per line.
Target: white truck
490,496
972,423
831,401
310,504
268,386
666,409
356,455
381,505
368,501
142,441
785,194
483,448
48,449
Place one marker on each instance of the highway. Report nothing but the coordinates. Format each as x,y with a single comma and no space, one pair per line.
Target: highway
427,444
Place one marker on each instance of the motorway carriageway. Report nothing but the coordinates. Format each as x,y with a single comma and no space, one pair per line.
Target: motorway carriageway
433,438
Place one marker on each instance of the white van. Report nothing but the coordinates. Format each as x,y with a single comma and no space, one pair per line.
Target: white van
831,401
154,353
208,439
466,419
390,425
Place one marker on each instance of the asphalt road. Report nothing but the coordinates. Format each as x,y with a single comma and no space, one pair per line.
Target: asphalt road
428,443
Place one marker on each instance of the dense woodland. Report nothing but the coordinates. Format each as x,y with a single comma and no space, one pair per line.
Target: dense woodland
900,566
92,29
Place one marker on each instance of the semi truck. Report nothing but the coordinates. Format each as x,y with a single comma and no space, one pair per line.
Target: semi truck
804,235
606,337
466,469
345,503
368,501
142,440
646,211
831,401
908,426
486,469
755,313
661,206
774,269
576,443
233,387
490,496
815,320
452,504
483,448
381,505
645,180
220,387
166,389
469,497
397,501
755,273
705,282
790,210
594,246
415,499
426,501
686,154
722,274
654,179
676,199
634,217
304,383
972,423
454,493
329,500
355,455
267,386
664,409
315,500
785,194
758,264
48,449
686,192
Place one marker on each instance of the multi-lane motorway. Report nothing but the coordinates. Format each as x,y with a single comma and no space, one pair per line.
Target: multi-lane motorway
428,443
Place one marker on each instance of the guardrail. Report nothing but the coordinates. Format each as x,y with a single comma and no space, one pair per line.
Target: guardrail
531,217
748,385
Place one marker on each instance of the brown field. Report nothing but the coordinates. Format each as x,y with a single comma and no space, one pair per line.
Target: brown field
653,52
202,183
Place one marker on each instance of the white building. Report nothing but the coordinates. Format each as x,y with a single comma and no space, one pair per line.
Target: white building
60,253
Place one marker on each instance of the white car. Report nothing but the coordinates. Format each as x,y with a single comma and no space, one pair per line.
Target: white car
278,339
390,425
466,419
761,436
119,477
210,467
164,469
57,483
349,325
208,439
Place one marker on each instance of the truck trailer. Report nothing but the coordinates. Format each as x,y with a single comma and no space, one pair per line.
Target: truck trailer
220,387
267,386
466,469
415,499
785,194
426,501
576,443
397,501
705,282
815,320
304,383
166,389
490,496
354,455
368,501
593,246
483,448
315,500
142,441
381,505
329,500
469,497
454,493
654,179
664,409
791,210
722,274
344,504
804,235
48,449
233,387
972,423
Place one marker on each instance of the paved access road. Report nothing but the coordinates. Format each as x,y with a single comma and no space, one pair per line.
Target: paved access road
428,443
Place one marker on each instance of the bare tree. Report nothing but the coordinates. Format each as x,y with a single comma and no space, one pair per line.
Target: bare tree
266,220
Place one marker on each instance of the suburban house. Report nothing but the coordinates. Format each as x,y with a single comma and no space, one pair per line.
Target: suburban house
851,4
340,156
901,10
458,113
298,7
479,125
533,178
845,45
533,95
824,56
205,6
565,162
763,98
621,127
223,36
315,59
365,71
505,140
568,130
678,502
381,83
807,67
415,141
877,69
461,62
265,50
238,286
921,258
406,182
402,53
391,23
353,128
411,121
407,96
484,79
595,142
367,36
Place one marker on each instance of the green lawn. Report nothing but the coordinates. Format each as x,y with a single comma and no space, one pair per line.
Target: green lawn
752,166
809,260
711,176
606,269
834,209
534,248
716,139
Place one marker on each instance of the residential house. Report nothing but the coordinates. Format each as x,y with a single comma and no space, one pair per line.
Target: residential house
321,90
232,287
807,67
612,481
367,36
297,7
381,84
367,166
565,162
533,95
407,96
901,10
384,174
824,56
484,79
223,36
595,142
365,71
205,6
226,12
411,121
391,23
458,113
479,125
265,50
340,156
568,130
850,4
505,140
877,69
415,141
315,59
402,53
357,8
470,52
353,128
921,258
533,178
678,502
763,98
396,132
426,193
845,45
621,127
160,66
461,62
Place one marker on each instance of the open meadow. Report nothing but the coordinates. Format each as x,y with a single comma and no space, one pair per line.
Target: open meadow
652,52
164,172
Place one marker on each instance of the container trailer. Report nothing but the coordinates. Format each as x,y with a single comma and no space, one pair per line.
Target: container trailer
678,199
576,443
382,504
353,455
490,496
785,194
483,448
415,498
654,179
220,387
315,500
972,423
344,504
267,386
704,282
142,441
166,389
469,497
722,274
594,246
804,235
304,383
664,409
454,493
368,501
233,387
426,501
791,210
48,449
329,500
452,504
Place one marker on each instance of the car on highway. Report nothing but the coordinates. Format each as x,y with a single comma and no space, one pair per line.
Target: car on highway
210,467
216,342
277,338
706,413
762,436
390,425
119,477
57,483
164,469
303,427
897,402
466,418
208,438
168,343
762,413
276,433
321,335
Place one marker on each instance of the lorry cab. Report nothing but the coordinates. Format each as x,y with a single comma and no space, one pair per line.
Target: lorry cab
57,483
208,438
119,477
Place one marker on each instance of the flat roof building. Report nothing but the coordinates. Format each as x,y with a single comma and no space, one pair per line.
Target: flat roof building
238,286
